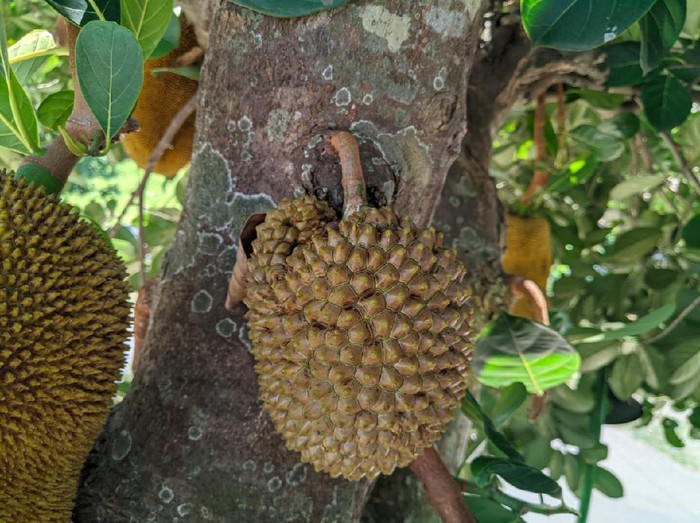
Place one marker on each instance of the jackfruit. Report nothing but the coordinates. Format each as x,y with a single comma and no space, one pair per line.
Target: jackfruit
528,254
63,324
160,100
361,334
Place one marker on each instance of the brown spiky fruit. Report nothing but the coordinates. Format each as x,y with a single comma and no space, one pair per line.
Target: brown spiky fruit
63,324
361,331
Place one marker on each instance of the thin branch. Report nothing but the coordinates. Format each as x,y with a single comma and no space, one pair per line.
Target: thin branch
539,179
680,160
444,493
562,152
691,306
164,143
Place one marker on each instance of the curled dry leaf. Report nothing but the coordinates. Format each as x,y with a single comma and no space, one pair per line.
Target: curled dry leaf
237,285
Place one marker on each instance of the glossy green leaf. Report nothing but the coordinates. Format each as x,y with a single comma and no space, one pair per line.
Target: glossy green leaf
19,127
660,29
169,40
290,9
484,509
55,109
110,71
670,425
521,476
626,376
519,350
607,483
667,102
691,233
472,409
577,25
29,53
606,143
80,12
632,246
39,176
148,20
510,399
636,186
622,64
640,326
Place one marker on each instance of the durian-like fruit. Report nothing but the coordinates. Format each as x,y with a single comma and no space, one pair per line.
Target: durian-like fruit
361,332
528,254
63,324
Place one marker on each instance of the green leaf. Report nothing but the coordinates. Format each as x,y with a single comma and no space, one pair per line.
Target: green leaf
36,175
626,376
110,71
632,246
517,474
577,25
486,510
520,350
287,9
660,29
190,71
640,326
538,452
601,99
659,279
80,12
622,63
606,143
595,454
626,122
472,409
694,417
29,53
55,109
670,425
667,102
607,483
691,233
636,186
509,400
19,127
689,371
170,39
148,20
576,173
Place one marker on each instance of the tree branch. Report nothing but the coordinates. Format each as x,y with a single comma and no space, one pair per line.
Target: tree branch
680,160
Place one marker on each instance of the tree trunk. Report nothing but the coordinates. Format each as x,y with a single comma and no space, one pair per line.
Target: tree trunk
190,441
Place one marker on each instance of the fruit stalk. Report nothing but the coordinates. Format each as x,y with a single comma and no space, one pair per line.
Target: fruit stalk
354,190
443,491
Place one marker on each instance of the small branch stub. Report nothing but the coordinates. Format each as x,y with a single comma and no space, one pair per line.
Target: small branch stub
354,188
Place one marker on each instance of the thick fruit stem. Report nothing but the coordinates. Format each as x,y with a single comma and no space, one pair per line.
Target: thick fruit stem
354,189
444,494
533,294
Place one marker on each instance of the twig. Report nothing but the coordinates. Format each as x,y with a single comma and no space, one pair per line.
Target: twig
163,144
643,150
540,177
562,153
444,494
675,322
680,160
354,190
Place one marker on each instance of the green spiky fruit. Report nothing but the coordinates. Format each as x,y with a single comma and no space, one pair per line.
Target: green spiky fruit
361,336
63,322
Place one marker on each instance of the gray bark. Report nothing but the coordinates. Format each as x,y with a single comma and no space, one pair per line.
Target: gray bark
189,442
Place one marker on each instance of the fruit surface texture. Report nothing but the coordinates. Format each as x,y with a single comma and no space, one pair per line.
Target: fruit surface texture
361,335
63,326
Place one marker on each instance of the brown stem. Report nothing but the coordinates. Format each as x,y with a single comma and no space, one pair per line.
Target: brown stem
163,144
444,493
539,179
562,153
528,289
680,160
354,190
58,159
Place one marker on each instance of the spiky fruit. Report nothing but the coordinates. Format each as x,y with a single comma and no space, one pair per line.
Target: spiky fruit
63,320
361,336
